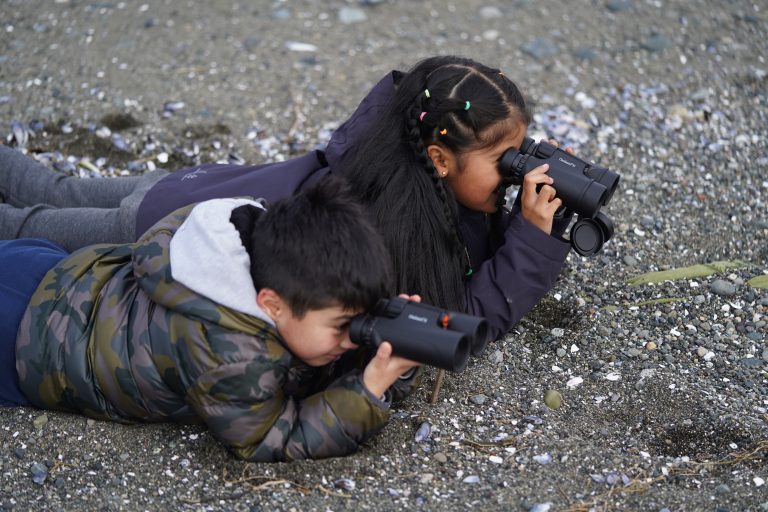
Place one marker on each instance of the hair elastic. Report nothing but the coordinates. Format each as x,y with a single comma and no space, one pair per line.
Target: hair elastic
426,93
421,116
466,107
443,131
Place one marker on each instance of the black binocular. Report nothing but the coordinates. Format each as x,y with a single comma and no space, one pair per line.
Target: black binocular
422,333
582,186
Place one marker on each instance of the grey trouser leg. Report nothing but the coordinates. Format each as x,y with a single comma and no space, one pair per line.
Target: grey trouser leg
69,211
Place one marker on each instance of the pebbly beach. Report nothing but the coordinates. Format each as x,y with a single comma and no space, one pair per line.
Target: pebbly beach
640,382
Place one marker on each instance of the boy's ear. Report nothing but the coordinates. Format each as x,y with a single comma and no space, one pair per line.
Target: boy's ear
271,303
442,158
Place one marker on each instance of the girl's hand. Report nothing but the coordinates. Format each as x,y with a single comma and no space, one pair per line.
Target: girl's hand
538,207
385,368
568,150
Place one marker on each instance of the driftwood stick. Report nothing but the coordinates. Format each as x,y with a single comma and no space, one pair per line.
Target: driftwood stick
438,385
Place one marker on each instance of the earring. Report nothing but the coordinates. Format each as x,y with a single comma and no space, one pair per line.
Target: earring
443,174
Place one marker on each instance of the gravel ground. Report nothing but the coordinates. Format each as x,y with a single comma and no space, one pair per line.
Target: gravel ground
663,385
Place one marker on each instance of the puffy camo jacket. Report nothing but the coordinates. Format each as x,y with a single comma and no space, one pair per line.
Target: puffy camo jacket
110,334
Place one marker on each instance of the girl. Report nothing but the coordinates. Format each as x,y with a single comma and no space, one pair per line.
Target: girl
420,151
427,170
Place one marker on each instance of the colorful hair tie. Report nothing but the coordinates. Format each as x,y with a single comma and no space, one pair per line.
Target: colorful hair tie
426,93
466,107
421,116
443,131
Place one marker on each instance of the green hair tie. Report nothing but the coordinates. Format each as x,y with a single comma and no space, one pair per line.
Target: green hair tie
466,107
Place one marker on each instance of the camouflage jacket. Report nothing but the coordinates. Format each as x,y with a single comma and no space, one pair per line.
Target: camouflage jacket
109,333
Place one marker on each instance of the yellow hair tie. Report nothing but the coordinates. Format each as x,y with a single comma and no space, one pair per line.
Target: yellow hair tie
443,131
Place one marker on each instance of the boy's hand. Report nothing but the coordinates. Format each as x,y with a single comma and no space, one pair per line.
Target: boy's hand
539,206
385,368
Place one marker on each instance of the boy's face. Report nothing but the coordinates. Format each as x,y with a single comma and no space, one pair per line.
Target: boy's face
317,338
320,336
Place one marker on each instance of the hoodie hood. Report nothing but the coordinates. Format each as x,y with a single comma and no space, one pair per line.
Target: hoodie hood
208,257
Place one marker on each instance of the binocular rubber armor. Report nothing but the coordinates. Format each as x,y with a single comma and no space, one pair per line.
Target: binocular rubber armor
422,333
582,186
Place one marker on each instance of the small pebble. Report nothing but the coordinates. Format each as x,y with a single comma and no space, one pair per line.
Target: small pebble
479,399
574,382
657,43
345,484
40,421
39,473
722,489
348,15
553,399
540,48
620,5
422,434
723,288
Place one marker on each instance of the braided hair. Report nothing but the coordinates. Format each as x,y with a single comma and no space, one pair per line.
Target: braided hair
447,100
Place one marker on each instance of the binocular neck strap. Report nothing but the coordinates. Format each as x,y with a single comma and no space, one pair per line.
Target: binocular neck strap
501,198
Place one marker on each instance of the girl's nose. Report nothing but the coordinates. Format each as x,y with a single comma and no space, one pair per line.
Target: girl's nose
347,343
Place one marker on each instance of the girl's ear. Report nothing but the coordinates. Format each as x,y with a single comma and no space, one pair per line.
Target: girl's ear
443,159
271,303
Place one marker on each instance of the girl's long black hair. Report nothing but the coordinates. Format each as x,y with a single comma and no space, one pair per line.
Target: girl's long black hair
413,208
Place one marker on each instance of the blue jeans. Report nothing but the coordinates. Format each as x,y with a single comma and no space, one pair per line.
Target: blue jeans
23,263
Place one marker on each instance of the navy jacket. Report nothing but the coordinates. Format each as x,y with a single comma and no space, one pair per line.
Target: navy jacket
503,288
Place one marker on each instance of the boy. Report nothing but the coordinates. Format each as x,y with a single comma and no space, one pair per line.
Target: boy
226,314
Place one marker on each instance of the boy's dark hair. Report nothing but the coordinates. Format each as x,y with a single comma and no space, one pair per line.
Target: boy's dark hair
393,175
316,249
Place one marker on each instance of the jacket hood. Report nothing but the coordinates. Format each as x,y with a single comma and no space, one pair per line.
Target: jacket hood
208,257
346,139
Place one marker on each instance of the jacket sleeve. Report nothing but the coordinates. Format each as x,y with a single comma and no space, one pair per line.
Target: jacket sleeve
560,222
244,406
506,286
358,359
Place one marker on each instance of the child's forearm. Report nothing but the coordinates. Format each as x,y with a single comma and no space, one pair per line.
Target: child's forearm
506,286
330,423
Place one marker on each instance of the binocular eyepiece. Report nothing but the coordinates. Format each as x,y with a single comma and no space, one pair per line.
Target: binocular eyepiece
582,186
422,333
